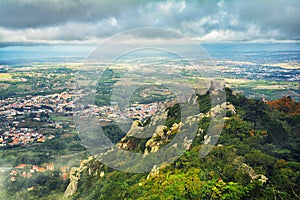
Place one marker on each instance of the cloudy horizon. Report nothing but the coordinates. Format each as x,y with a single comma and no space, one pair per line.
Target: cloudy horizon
33,22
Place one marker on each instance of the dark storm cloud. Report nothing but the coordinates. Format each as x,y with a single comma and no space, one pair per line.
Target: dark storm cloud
34,13
86,20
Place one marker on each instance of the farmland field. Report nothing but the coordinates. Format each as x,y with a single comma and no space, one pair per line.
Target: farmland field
5,76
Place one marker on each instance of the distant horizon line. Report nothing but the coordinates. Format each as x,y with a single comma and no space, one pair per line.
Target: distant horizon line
96,42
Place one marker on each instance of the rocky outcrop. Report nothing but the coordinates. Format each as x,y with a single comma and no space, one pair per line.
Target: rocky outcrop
241,166
226,106
230,108
156,135
73,185
91,166
154,172
137,130
134,130
156,140
160,135
187,143
250,171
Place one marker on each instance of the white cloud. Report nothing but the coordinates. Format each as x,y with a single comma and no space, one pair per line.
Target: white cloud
87,21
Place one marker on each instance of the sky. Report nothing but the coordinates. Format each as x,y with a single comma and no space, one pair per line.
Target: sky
35,22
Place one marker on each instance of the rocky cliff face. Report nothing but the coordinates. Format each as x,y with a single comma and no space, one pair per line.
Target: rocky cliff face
74,178
161,135
91,166
243,167
155,135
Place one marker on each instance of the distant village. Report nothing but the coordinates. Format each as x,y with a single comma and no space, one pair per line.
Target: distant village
27,171
28,120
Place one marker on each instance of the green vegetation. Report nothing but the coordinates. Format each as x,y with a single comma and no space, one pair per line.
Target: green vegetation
257,155
5,75
21,82
257,158
104,88
149,94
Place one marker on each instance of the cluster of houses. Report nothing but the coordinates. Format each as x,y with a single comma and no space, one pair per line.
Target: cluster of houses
27,120
22,136
27,171
135,111
20,117
17,113
36,105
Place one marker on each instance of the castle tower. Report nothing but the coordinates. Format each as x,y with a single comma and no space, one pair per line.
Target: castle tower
263,99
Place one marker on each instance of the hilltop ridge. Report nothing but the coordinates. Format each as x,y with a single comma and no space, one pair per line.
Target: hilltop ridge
256,157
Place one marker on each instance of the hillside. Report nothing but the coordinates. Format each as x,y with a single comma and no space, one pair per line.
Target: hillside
256,157
286,105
